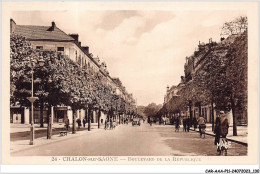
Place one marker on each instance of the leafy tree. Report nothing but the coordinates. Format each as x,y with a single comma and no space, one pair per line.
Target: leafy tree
238,25
220,77
23,60
237,77
152,109
61,81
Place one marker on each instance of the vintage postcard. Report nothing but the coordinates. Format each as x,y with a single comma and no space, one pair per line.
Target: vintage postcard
130,83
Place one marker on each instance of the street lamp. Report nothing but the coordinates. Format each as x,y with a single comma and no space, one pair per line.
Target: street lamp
32,99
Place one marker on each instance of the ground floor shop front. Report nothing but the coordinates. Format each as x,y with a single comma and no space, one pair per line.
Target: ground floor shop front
22,115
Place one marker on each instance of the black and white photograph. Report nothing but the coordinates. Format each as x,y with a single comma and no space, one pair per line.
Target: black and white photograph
168,84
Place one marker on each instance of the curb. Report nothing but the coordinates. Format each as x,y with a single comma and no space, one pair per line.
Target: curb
235,141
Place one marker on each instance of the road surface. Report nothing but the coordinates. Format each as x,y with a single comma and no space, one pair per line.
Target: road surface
128,140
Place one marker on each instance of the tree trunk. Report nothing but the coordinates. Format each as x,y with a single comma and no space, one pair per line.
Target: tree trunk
73,121
233,107
200,109
99,114
89,117
190,107
49,129
212,115
41,115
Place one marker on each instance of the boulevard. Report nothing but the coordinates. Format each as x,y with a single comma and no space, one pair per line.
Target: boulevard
128,140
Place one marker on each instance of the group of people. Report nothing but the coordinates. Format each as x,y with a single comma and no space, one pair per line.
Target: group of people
67,123
187,123
109,124
125,121
162,121
150,120
220,128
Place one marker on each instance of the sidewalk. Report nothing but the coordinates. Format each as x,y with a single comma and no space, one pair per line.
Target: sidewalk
23,144
26,127
241,137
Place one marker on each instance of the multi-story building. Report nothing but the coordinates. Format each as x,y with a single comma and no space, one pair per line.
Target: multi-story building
193,65
53,38
173,91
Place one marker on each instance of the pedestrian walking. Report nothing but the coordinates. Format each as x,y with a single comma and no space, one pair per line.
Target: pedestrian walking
151,121
202,125
84,122
195,123
164,121
106,125
111,123
67,124
184,125
221,131
79,123
177,124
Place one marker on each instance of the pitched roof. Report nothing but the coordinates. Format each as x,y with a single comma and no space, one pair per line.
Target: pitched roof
42,33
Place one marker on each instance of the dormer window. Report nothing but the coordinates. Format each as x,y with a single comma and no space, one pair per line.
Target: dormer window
39,47
60,48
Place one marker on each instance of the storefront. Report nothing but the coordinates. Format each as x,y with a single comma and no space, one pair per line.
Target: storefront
60,114
17,115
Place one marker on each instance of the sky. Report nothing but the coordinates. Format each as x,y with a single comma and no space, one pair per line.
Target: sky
145,49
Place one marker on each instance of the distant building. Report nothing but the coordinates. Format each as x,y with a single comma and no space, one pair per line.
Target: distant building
174,90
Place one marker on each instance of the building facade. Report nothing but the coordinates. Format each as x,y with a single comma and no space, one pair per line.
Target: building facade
53,38
193,65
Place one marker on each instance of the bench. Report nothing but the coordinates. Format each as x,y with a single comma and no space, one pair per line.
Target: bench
63,133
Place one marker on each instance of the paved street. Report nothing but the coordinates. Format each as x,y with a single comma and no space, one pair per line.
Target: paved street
126,140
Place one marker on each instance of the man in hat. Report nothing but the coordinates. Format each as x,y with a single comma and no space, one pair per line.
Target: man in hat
221,128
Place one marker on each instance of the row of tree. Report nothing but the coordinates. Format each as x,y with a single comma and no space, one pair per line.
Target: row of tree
60,82
151,110
221,77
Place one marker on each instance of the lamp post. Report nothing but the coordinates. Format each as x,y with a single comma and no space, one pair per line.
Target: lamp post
32,99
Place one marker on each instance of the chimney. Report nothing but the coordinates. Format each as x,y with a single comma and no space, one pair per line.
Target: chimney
79,43
12,25
86,49
199,42
74,36
53,25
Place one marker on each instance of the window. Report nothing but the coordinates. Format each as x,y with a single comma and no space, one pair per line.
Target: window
60,48
79,60
39,47
76,56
